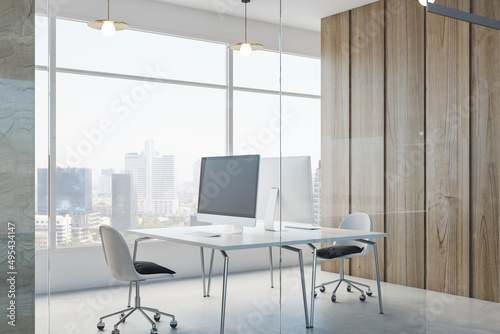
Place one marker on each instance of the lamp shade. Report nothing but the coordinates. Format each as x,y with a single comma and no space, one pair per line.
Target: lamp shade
246,48
108,27
97,24
253,46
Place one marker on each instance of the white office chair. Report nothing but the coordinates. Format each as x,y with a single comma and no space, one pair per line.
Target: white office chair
122,268
341,250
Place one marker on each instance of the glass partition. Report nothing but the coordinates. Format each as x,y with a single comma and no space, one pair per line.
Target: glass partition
471,99
380,107
404,129
41,223
122,125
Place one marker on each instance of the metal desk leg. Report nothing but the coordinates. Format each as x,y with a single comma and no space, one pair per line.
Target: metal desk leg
304,297
271,265
313,284
224,291
378,278
203,272
374,244
210,272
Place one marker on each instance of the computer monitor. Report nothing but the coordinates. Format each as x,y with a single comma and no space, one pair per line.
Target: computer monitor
228,190
296,190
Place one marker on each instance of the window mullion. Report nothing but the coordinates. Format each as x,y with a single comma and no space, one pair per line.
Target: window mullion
229,103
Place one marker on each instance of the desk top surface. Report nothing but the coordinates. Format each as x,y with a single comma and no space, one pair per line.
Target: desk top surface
255,237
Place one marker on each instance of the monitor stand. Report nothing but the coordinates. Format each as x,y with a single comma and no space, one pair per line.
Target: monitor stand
270,209
236,230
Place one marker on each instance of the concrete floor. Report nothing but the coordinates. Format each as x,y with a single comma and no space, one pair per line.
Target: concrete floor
253,307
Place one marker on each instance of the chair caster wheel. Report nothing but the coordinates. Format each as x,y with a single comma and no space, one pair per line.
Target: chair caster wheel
157,317
100,325
362,298
334,297
349,288
153,331
115,331
122,316
173,323
322,288
369,292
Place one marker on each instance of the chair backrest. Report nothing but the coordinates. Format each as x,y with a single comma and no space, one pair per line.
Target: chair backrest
357,221
117,255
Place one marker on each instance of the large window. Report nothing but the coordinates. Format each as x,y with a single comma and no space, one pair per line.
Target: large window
261,71
138,53
262,126
135,113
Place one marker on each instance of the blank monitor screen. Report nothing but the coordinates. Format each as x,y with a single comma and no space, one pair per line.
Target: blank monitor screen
228,188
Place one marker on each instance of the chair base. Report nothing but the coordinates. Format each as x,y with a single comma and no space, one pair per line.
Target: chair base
129,310
351,284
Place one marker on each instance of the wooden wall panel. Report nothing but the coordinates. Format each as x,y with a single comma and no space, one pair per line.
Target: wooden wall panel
432,126
367,124
335,123
447,152
404,143
485,155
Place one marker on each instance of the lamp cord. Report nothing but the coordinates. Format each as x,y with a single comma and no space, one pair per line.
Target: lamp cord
245,22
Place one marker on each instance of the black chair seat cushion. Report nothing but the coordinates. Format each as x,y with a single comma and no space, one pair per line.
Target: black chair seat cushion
338,251
150,268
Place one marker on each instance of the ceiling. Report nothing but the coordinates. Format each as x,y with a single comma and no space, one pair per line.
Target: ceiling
303,14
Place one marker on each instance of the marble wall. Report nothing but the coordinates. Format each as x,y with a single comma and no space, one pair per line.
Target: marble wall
17,178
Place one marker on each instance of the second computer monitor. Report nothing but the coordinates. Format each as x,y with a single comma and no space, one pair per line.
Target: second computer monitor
296,191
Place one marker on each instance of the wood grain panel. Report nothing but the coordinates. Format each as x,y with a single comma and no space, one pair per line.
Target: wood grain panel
334,123
485,155
447,152
367,124
404,143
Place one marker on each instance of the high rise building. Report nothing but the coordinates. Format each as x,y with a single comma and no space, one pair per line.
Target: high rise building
196,176
196,181
104,189
155,180
63,230
73,191
85,227
317,194
42,192
124,202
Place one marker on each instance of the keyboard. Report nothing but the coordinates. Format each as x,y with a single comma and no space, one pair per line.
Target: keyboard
204,234
302,226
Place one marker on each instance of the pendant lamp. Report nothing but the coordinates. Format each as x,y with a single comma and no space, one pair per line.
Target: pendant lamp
246,48
108,27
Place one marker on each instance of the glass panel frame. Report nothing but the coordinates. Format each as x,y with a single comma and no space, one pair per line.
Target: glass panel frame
56,70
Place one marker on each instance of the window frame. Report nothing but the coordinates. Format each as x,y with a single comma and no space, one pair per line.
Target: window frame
53,70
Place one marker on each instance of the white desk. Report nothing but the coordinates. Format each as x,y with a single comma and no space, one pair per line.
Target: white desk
258,238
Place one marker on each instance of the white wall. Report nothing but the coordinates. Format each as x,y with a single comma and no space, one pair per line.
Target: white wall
76,268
